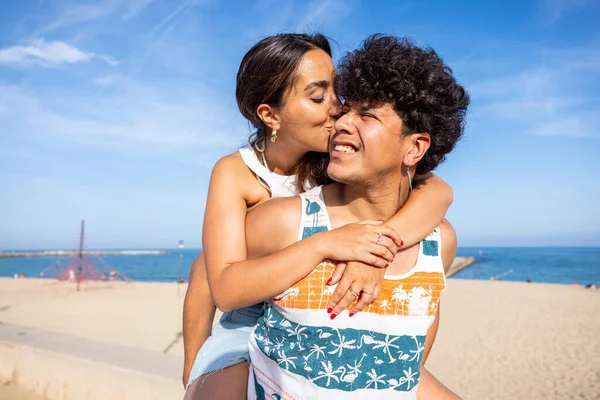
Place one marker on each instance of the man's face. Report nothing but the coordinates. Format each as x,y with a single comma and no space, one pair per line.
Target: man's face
367,144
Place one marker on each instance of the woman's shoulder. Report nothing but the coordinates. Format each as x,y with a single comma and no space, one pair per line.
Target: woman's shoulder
230,160
232,171
231,166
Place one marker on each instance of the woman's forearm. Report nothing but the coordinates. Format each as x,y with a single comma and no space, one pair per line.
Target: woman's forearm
198,315
423,211
239,280
248,282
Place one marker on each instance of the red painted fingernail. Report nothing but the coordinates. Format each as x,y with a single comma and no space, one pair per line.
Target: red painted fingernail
328,281
401,243
386,265
351,314
332,316
329,310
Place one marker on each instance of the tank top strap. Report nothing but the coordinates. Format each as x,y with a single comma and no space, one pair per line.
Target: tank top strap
277,185
432,244
314,213
430,253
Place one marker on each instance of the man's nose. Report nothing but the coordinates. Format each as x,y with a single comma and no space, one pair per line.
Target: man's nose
335,107
344,124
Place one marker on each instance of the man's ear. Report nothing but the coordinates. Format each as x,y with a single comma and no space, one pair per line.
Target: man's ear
418,145
269,115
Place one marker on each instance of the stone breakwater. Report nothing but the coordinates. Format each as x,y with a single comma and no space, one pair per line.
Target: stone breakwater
459,264
71,253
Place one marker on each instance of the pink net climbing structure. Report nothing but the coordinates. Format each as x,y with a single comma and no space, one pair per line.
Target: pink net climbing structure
82,266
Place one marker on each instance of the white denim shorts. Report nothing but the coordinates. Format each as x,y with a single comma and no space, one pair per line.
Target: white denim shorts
228,342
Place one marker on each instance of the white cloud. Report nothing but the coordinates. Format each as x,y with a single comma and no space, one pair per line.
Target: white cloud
322,12
134,7
43,53
106,80
109,60
159,31
166,22
73,13
578,126
550,97
125,117
47,54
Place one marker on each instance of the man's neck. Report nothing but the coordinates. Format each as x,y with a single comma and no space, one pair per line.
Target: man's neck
378,201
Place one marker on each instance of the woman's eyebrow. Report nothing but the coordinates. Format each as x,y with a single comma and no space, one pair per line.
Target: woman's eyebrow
321,84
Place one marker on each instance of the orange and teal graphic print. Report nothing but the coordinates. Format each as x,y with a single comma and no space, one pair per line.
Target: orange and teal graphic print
297,351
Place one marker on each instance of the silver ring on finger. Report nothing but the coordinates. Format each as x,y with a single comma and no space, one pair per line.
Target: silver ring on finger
368,293
354,292
379,238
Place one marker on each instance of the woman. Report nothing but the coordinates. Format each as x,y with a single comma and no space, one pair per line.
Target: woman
285,89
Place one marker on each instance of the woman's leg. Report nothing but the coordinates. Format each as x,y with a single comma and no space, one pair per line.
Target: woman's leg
230,383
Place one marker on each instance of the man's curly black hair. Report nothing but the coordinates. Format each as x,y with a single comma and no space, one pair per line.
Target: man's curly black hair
416,82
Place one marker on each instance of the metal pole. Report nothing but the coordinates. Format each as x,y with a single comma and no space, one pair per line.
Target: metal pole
179,280
179,273
80,266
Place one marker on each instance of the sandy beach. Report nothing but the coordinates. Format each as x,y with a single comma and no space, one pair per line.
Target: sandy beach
11,392
497,340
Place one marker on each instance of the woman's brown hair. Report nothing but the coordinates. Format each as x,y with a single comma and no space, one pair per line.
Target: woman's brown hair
266,72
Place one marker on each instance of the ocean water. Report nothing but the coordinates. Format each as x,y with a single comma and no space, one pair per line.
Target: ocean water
148,268
539,264
564,265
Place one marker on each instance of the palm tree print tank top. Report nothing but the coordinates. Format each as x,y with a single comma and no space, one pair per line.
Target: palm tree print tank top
298,352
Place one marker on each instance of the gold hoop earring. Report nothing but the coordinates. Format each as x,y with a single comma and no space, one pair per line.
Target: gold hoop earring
274,136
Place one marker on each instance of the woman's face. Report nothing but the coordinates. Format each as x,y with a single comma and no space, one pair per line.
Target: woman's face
310,106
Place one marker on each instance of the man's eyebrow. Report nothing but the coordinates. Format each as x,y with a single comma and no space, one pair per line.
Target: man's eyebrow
320,84
365,107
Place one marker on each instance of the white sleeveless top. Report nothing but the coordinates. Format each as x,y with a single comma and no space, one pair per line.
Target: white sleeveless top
298,352
278,185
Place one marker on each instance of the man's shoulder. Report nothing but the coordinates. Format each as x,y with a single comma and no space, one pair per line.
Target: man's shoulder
282,208
449,244
273,225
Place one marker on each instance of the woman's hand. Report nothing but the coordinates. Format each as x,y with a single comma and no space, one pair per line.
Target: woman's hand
369,242
364,280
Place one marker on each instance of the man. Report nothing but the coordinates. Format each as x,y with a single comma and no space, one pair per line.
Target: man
403,112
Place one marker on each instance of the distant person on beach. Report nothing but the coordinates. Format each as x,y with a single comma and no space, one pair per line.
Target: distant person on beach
285,89
403,113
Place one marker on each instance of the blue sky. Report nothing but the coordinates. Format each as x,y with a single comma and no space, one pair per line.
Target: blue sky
116,110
